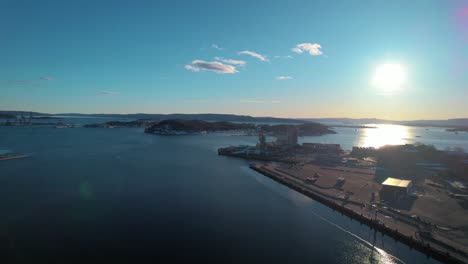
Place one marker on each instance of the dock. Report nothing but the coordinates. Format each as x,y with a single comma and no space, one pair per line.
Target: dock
353,211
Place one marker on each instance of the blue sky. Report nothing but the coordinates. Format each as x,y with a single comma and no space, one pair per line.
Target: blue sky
241,57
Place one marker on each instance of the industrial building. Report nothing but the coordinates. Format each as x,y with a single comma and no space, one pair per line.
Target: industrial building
289,140
397,186
322,148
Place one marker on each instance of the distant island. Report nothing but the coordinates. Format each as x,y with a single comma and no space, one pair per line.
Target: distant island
458,129
118,124
306,129
182,127
7,116
333,122
454,122
354,126
46,117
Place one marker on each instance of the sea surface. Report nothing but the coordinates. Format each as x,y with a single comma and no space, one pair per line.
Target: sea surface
119,195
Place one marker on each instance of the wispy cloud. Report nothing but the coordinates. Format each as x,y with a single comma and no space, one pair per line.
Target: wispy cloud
215,46
283,77
231,61
284,57
107,92
254,54
19,82
313,49
215,66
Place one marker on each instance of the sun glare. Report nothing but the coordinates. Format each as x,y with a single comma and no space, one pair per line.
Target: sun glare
385,135
389,77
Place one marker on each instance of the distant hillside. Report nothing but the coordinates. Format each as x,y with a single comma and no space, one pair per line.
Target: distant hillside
349,121
115,124
205,117
456,122
18,113
7,116
449,123
307,129
458,129
194,126
172,126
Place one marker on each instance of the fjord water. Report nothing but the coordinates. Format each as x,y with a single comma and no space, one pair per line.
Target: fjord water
122,194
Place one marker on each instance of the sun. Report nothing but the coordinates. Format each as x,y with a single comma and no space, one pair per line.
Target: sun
389,77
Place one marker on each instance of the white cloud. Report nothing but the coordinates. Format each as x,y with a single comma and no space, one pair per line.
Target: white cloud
235,62
283,77
107,92
214,46
231,61
47,78
215,66
313,49
297,50
254,54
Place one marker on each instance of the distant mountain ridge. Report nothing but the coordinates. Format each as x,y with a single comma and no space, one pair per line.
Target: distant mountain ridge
204,117
454,122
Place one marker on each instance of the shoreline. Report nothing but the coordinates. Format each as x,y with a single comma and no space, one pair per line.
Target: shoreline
373,224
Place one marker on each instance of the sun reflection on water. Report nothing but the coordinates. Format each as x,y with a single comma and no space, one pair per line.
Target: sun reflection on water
383,135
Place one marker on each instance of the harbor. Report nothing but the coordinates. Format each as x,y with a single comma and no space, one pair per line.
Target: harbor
402,230
400,191
248,198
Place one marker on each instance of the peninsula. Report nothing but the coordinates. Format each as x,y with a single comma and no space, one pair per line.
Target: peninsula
415,194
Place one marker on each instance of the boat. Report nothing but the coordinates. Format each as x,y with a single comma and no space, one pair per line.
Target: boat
64,126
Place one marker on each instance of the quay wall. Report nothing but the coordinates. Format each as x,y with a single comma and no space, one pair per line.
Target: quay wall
395,234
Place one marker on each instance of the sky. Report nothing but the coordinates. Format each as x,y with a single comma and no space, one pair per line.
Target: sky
313,59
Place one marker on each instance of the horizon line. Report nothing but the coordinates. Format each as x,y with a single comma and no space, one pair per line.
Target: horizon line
298,118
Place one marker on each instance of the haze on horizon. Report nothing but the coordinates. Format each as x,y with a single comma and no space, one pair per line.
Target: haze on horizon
399,60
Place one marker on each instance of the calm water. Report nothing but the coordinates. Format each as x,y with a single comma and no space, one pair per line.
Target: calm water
392,135
122,194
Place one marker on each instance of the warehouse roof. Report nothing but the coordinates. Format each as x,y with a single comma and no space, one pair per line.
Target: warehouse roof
397,183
